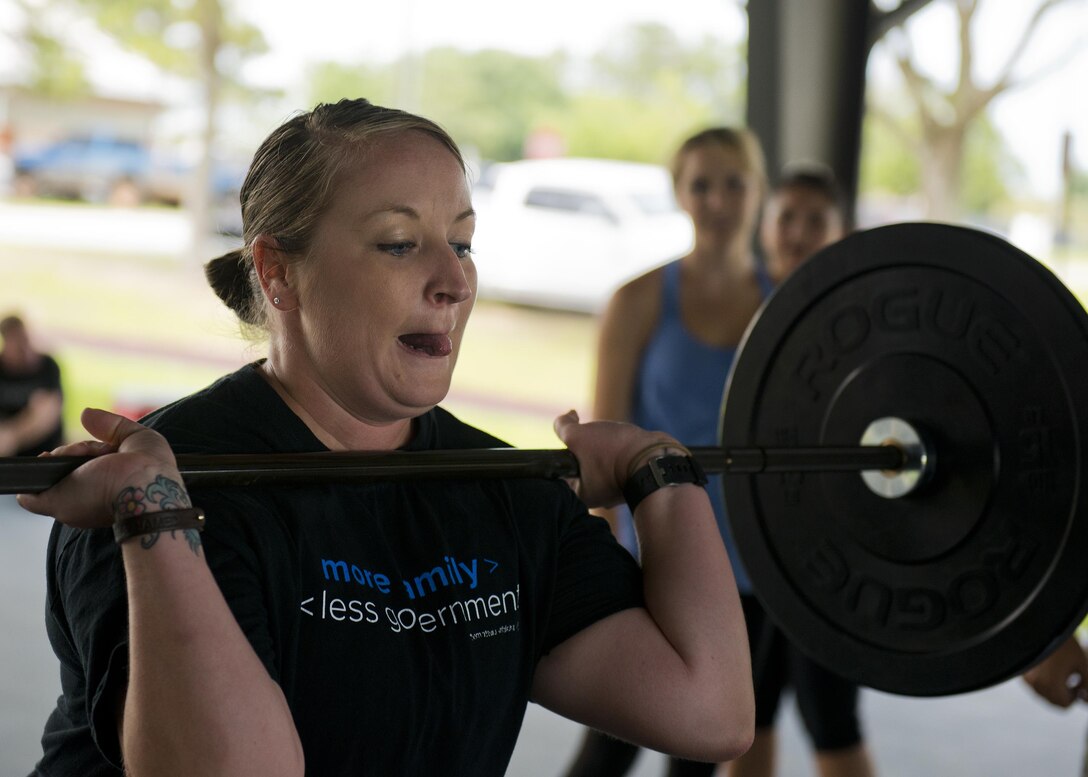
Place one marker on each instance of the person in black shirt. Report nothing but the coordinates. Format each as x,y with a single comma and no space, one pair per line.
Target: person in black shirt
394,628
31,401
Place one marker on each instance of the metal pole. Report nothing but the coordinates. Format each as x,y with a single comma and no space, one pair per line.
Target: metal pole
32,475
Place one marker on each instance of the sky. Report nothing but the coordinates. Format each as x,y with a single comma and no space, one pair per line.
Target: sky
366,29
1032,120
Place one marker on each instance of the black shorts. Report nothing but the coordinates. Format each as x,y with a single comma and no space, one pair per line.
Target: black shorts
827,702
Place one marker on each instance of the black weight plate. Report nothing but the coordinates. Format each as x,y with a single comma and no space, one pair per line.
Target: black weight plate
974,577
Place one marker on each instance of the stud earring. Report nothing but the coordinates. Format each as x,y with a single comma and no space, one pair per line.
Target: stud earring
276,301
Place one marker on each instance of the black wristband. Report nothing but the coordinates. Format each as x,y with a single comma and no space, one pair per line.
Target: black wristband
660,472
153,523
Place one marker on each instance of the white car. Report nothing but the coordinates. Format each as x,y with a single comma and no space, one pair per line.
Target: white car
565,233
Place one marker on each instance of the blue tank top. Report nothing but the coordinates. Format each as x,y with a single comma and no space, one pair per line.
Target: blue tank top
678,390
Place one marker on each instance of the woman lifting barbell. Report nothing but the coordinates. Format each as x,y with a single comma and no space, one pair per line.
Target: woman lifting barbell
389,628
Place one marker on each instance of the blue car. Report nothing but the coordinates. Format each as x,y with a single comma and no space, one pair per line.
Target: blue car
107,169
94,168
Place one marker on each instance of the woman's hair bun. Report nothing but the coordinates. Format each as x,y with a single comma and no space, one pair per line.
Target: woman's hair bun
228,275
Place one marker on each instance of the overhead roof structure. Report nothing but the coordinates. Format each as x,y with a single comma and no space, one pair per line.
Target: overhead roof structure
806,79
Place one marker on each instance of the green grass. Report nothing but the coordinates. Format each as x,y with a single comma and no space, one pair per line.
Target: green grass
96,378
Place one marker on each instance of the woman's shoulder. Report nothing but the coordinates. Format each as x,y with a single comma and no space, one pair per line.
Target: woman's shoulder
442,429
639,299
239,412
650,282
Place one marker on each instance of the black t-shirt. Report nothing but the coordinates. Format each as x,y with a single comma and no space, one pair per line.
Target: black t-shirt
15,391
403,620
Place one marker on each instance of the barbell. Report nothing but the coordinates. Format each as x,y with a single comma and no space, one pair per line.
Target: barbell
903,438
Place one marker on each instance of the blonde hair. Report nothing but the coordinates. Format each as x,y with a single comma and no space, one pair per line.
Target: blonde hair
291,181
739,139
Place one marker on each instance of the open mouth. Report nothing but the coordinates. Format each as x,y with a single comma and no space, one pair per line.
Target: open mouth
428,344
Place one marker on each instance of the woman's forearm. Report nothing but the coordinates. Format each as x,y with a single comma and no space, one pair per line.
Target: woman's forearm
692,597
199,699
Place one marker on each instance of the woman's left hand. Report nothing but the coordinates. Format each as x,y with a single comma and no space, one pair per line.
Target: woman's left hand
606,453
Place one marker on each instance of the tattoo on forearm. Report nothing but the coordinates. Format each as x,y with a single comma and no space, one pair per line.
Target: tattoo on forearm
160,494
168,494
192,536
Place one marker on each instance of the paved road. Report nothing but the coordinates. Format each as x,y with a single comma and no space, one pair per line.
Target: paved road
1000,731
28,670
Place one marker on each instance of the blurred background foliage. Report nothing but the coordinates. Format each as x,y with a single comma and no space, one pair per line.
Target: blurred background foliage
645,88
630,101
932,147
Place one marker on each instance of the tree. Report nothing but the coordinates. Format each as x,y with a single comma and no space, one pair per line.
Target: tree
988,168
888,165
646,59
641,129
162,31
647,90
496,98
634,100
946,114
332,81
54,72
489,100
145,25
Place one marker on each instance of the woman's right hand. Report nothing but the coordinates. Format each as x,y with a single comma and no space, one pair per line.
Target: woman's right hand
133,471
1062,677
607,452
